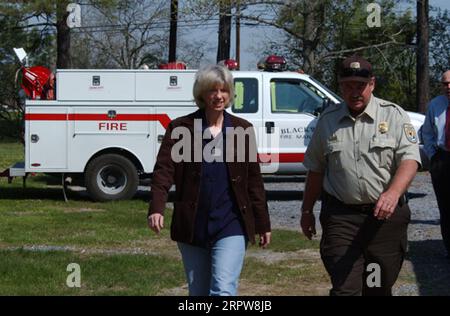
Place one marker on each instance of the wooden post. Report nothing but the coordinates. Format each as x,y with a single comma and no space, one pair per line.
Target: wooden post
173,31
223,51
238,34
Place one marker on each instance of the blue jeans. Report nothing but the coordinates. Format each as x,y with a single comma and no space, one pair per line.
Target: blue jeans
214,271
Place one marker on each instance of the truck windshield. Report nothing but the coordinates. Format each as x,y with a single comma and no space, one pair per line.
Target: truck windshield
295,96
328,90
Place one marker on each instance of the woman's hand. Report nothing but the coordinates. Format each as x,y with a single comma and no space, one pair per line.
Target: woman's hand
156,222
264,239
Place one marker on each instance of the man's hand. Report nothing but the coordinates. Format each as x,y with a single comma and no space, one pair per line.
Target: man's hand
385,207
264,239
156,222
308,224
387,202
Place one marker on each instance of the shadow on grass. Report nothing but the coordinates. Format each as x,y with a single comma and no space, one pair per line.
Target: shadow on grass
431,267
54,194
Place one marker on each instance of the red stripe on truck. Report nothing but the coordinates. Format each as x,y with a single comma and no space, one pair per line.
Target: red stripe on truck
45,117
282,157
164,119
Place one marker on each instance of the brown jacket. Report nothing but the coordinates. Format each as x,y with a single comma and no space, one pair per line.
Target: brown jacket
245,179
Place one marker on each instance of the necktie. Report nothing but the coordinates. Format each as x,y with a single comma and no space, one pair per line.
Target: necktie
447,129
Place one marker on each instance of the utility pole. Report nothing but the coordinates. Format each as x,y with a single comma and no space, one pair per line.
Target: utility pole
223,51
423,74
238,33
173,31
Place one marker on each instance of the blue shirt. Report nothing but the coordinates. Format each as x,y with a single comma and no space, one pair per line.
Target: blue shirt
433,130
217,213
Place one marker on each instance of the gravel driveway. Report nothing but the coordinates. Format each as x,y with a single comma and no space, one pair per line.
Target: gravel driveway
426,270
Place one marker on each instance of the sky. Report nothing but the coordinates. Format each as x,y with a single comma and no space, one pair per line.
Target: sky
252,37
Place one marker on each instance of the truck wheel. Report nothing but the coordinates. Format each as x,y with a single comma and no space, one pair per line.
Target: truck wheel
111,177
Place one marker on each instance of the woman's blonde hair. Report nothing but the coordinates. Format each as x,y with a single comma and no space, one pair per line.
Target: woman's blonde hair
208,78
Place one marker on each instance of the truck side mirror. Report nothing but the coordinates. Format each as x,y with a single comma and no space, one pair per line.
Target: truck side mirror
326,103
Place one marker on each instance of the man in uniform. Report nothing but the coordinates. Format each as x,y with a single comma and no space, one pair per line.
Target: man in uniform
436,138
362,158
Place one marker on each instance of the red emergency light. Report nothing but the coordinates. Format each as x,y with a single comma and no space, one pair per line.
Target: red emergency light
272,63
173,65
231,64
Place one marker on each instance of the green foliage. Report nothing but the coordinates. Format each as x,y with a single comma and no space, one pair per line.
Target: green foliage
340,29
439,48
39,45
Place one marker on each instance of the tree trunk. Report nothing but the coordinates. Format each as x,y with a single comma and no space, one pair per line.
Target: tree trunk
314,15
423,75
223,51
63,36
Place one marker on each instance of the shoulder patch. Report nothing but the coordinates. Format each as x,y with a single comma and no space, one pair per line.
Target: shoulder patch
410,133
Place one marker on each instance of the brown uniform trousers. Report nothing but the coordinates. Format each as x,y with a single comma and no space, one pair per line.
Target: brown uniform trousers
440,176
353,238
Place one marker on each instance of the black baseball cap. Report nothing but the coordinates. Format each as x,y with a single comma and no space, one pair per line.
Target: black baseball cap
355,68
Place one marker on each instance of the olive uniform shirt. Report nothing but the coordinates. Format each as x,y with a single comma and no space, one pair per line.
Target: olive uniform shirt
359,156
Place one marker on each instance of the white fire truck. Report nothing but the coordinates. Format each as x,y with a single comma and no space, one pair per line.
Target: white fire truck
105,126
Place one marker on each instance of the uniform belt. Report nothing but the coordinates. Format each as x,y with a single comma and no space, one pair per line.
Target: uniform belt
331,201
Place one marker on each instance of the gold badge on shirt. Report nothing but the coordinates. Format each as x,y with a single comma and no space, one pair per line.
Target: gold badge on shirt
410,132
383,127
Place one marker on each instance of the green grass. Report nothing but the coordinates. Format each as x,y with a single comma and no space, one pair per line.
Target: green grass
45,273
117,253
10,153
9,131
76,223
287,240
284,272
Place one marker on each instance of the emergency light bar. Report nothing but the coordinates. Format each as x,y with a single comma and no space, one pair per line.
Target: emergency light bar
272,63
231,64
173,65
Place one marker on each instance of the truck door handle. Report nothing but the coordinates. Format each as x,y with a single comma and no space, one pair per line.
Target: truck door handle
270,127
34,138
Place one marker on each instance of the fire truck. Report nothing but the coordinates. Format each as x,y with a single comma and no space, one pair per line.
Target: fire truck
104,127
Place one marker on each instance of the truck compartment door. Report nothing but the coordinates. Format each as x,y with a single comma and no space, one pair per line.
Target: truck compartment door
46,138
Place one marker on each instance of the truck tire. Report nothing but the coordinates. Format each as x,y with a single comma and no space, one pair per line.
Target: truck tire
111,177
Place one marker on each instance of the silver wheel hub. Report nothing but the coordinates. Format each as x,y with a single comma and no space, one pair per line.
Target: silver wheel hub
111,179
